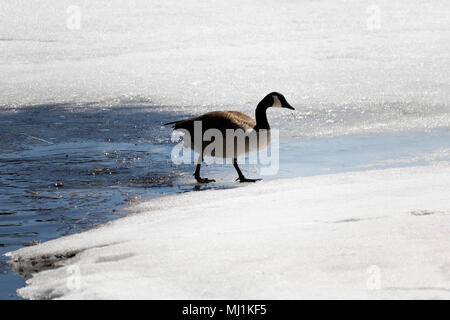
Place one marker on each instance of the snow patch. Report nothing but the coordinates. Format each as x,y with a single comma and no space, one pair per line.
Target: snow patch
326,236
196,56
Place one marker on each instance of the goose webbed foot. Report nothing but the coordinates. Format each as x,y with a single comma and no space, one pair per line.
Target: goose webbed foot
200,179
244,179
203,180
241,175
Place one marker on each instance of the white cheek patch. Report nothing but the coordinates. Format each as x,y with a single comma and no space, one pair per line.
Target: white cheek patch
276,102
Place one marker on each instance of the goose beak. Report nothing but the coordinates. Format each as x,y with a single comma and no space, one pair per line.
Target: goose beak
288,106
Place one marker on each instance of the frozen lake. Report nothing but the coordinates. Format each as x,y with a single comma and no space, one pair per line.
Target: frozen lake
91,164
86,87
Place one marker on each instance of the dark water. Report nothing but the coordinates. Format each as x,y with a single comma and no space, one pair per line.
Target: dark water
65,168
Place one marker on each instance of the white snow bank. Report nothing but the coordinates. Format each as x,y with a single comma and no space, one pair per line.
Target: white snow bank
194,53
194,56
372,234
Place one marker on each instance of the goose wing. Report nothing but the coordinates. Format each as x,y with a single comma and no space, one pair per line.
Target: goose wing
220,120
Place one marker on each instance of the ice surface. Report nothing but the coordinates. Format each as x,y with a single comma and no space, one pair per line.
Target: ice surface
326,236
195,56
371,234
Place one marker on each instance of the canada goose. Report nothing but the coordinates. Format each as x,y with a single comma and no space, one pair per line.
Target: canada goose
234,120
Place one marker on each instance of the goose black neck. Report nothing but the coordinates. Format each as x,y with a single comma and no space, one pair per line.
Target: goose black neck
261,117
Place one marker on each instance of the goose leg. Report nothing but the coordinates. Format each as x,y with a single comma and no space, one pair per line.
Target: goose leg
198,178
241,177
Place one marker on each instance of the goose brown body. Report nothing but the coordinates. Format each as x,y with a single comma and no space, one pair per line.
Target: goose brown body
223,121
220,120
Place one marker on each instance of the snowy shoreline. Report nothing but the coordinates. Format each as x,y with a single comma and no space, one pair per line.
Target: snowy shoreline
369,234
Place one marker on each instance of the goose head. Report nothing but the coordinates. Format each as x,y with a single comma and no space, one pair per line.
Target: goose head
276,100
